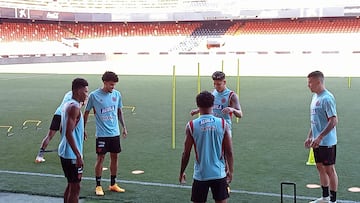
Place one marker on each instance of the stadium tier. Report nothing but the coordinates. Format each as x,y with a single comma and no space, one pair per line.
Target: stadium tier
11,31
299,26
50,31
74,5
43,37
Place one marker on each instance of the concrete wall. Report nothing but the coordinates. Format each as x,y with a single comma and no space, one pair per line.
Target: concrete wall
51,58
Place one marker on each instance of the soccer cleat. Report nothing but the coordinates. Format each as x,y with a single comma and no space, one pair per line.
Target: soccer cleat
116,188
321,200
99,191
39,159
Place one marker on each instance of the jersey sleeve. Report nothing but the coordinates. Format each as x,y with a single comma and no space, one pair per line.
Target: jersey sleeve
330,106
120,104
90,103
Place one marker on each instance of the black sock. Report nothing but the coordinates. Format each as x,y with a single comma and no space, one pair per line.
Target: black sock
98,180
325,191
112,181
332,196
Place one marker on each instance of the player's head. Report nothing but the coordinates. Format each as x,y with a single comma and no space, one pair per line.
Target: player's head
316,81
205,100
80,89
219,81
109,79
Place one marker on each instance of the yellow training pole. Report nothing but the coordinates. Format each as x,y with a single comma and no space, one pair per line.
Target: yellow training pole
349,82
199,83
222,65
173,107
238,83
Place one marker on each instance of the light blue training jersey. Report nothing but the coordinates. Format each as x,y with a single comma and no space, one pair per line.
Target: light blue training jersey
221,101
106,105
64,150
66,98
208,133
323,106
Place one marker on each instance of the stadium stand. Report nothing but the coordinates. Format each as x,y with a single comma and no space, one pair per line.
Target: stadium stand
31,32
165,36
299,26
88,5
51,31
97,30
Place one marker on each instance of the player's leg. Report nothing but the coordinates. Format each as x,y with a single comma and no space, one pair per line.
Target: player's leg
115,149
74,180
331,172
333,181
113,166
199,191
74,192
219,190
320,158
54,127
73,175
66,194
100,151
45,142
99,166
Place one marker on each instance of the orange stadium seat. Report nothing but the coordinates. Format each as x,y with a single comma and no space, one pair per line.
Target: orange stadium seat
299,26
50,31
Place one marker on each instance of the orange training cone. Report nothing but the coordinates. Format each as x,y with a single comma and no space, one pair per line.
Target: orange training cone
311,159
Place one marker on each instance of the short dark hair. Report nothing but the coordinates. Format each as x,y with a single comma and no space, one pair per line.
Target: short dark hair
316,74
218,75
79,83
205,99
110,76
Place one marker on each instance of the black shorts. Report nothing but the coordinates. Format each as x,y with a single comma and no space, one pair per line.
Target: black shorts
55,123
108,144
218,187
72,173
325,155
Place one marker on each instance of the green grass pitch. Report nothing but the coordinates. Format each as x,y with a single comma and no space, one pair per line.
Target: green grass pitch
268,141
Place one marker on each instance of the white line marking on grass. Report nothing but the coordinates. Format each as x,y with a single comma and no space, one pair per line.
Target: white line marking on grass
169,185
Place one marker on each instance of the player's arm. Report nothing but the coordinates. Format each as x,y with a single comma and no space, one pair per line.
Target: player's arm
235,106
194,112
308,140
88,107
332,122
189,141
122,122
228,151
86,116
73,115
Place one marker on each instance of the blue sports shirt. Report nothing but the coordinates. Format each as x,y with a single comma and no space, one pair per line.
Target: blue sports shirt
323,106
66,98
208,134
64,150
222,100
106,105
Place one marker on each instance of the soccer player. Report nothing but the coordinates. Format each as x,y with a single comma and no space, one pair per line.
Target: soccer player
322,135
54,127
226,101
212,143
70,148
107,105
